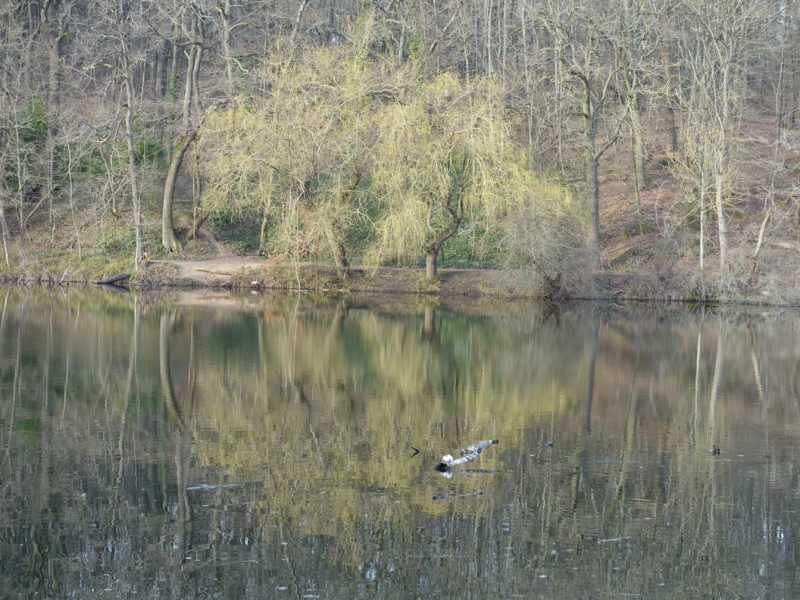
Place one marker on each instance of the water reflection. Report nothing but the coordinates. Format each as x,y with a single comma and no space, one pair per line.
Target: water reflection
267,449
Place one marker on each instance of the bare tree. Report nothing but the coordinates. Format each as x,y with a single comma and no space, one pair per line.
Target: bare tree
54,20
189,20
587,53
126,69
720,41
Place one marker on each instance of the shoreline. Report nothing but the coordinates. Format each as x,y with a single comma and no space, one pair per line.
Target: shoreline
241,273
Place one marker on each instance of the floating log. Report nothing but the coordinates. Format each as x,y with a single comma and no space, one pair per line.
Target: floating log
113,279
468,454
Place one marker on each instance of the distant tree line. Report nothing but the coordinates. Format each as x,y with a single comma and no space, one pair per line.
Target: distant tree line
404,121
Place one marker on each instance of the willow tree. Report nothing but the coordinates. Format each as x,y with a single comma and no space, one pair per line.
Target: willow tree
298,154
446,158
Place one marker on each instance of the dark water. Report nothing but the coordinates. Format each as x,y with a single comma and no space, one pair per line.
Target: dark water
264,448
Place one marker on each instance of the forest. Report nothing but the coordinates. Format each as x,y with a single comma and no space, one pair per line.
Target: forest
650,143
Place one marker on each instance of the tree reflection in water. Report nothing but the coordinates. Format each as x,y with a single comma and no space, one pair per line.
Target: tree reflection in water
265,450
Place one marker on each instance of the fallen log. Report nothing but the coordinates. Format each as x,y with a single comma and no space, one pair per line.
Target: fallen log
215,272
113,279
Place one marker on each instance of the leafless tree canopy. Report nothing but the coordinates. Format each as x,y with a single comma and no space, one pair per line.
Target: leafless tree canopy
103,102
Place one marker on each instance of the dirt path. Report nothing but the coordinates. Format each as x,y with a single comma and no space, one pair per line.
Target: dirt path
214,271
212,243
219,270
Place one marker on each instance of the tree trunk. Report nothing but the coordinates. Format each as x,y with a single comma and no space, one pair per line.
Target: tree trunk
298,21
793,96
430,262
191,104
594,187
672,124
637,143
593,180
135,197
719,200
759,245
262,231
54,51
196,225
168,239
227,28
637,187
589,112
432,250
55,36
721,168
198,59
703,227
172,84
160,70
669,83
340,256
4,232
188,91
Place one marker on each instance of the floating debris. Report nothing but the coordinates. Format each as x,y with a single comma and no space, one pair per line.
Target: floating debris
468,454
212,486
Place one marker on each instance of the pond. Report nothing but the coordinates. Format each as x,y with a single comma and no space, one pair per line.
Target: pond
284,447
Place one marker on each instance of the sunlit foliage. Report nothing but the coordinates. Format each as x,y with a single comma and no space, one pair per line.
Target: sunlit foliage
299,153
446,158
343,138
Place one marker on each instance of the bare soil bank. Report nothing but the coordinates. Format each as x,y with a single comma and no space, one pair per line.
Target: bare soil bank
251,272
242,272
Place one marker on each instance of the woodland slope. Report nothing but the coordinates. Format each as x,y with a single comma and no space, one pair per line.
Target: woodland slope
550,149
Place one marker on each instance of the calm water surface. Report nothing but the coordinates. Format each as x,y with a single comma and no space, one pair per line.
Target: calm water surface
265,448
